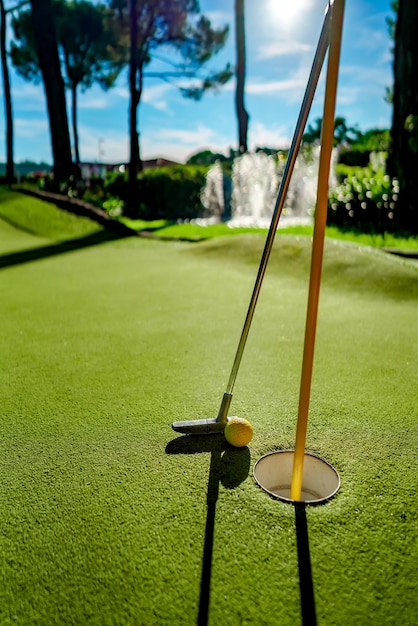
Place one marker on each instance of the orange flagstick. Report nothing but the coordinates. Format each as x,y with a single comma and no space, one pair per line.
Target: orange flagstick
327,138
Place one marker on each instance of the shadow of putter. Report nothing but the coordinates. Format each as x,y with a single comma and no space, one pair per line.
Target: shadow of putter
229,467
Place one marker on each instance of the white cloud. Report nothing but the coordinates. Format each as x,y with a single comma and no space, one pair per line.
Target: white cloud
32,128
202,134
219,18
93,102
154,96
109,146
28,97
121,92
271,136
282,48
175,144
291,88
31,138
179,144
96,99
362,74
362,83
274,86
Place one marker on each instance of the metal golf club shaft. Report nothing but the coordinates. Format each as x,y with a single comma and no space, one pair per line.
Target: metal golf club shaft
281,197
216,425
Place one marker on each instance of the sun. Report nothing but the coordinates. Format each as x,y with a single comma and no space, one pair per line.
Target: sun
288,12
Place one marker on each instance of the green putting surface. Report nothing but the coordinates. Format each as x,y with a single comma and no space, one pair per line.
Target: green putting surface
109,517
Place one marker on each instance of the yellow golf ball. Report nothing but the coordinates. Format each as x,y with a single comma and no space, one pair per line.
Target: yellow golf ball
238,432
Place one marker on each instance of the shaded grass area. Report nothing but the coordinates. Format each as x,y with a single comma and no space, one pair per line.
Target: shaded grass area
42,252
108,517
31,229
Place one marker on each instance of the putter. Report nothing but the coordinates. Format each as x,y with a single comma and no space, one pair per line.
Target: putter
217,424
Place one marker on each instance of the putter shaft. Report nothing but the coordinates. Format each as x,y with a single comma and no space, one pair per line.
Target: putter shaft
217,425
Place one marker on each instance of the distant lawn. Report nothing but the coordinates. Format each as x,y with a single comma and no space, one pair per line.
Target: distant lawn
195,231
109,517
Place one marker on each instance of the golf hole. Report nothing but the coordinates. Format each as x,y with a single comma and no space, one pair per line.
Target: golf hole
273,473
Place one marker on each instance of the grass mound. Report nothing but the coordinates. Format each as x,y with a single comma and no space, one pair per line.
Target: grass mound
347,266
43,219
108,517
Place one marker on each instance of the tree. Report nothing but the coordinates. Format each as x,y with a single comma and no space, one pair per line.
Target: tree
49,63
205,157
342,132
6,86
186,42
242,114
403,154
7,96
88,40
373,140
391,24
88,47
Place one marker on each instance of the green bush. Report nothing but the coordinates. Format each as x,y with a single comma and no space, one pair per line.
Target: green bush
172,192
366,200
115,184
4,181
358,153
352,157
113,206
169,192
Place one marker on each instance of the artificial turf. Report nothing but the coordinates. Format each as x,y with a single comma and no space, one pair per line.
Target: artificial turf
109,517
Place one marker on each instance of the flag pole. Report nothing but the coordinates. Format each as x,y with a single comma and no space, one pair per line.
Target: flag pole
327,138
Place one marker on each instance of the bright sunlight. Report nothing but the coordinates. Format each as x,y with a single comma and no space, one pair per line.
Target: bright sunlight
288,11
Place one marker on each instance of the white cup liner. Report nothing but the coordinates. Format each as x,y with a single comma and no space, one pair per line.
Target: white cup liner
273,473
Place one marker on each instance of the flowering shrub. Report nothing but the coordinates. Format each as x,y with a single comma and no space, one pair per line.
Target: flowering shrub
113,206
365,199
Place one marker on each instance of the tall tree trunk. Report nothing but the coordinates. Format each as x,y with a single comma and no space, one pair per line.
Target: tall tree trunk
47,49
135,94
242,114
403,156
74,122
7,97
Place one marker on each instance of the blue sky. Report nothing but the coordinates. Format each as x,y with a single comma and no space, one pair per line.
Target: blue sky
281,38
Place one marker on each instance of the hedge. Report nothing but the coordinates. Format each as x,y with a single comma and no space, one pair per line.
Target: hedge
170,192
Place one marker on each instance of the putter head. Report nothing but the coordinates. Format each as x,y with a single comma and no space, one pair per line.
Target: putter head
200,427
210,426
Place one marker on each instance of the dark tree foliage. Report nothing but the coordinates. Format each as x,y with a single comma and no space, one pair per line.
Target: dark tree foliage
342,132
205,157
89,42
403,155
173,33
88,45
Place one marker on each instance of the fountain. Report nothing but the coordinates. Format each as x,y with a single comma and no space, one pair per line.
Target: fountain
213,195
254,188
255,182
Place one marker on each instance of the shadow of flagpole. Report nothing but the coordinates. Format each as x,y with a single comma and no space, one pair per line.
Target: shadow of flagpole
211,500
307,598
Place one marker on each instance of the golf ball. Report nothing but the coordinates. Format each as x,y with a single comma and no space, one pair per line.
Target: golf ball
238,432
